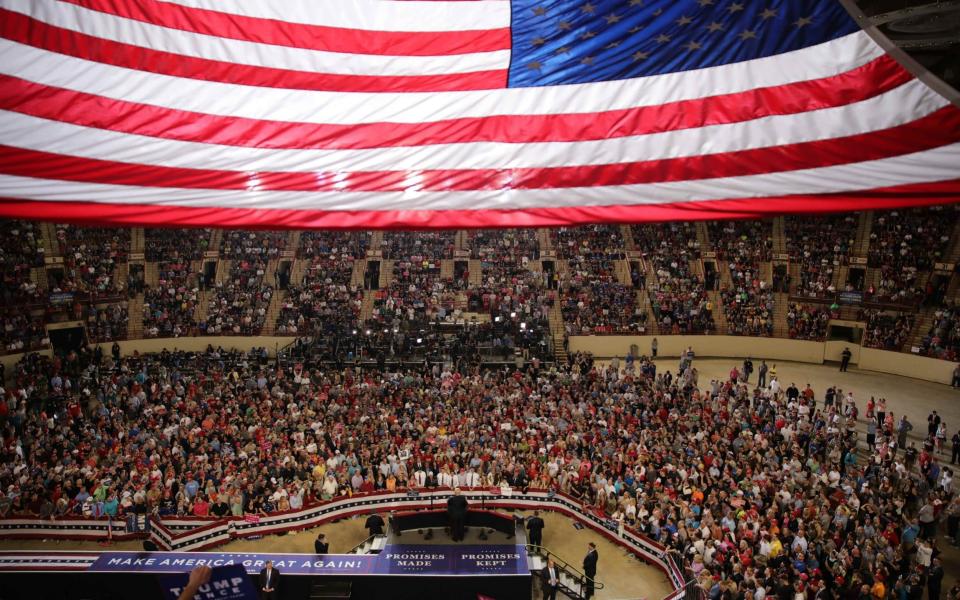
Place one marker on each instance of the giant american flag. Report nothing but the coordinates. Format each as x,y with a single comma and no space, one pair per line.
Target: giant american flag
372,113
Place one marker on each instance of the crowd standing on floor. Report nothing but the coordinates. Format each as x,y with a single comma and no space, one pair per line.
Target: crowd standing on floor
759,490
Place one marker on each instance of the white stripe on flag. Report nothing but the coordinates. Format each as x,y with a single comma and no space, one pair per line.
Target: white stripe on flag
939,164
128,31
49,68
376,15
899,106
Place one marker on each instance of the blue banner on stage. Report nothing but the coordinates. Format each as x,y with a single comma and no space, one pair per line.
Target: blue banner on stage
394,560
226,583
452,560
176,562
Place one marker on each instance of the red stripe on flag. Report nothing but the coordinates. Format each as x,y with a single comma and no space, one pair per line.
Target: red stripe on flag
88,110
939,128
93,213
25,30
298,35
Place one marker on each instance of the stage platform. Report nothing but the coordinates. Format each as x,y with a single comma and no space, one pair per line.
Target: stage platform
407,567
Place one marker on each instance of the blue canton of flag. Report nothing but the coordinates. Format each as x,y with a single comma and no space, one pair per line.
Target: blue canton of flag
557,42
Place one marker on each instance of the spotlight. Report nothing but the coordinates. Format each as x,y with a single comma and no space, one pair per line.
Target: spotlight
523,325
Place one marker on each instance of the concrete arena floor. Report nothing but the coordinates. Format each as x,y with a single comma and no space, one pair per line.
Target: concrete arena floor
624,576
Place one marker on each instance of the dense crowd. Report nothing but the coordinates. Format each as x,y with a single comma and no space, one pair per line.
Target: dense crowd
176,245
749,309
896,285
325,244
678,237
594,299
820,246
886,330
759,490
324,302
169,307
239,304
428,245
911,239
807,322
678,297
21,250
91,256
905,243
748,301
942,340
22,332
509,288
417,294
504,246
107,323
610,279
253,245
742,245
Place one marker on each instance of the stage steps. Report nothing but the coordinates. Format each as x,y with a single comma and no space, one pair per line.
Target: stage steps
571,580
779,236
781,328
703,236
543,237
622,270
386,273
628,242
151,274
719,312
559,332
356,276
277,301
366,307
135,317
50,245
864,228
136,240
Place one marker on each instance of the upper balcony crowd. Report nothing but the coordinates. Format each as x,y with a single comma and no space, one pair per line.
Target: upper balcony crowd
502,291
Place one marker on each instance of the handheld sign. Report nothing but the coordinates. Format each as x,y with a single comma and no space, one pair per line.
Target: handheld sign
226,583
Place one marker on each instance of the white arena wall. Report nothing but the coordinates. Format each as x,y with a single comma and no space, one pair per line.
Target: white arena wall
608,346
731,346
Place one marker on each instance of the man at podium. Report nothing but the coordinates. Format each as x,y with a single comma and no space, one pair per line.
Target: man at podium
457,515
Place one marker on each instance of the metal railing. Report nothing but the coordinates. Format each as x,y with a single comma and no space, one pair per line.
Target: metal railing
570,571
370,540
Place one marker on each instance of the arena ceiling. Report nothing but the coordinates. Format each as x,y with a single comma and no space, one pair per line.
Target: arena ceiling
928,31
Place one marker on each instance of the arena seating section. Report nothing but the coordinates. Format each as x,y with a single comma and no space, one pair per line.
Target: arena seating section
457,290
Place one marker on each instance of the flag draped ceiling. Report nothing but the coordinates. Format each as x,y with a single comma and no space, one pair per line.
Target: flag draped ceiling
379,114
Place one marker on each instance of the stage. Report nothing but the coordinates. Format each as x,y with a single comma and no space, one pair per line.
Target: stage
408,567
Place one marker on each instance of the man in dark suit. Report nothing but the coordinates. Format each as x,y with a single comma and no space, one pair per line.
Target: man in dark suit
374,524
934,580
845,357
535,527
320,545
457,514
267,583
551,580
590,569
